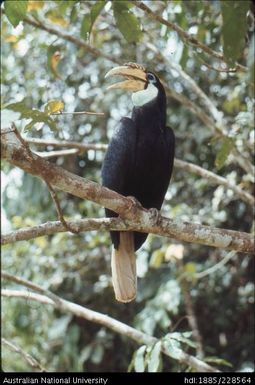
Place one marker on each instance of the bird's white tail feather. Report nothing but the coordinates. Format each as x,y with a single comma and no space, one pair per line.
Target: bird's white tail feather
124,268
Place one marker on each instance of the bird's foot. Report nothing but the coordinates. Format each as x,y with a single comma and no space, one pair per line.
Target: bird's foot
154,215
134,202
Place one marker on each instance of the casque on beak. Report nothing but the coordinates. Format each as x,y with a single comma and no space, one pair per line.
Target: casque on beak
134,73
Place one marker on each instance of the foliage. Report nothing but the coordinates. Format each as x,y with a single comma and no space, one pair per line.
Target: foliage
42,74
234,13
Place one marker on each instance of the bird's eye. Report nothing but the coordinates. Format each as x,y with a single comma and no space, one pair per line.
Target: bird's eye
151,78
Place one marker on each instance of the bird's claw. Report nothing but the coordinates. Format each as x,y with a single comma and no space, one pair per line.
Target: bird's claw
134,202
154,214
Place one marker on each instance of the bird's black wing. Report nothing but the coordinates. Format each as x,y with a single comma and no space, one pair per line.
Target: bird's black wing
118,165
170,145
160,175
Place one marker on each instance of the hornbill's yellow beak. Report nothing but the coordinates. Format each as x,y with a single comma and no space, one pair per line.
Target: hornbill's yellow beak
135,74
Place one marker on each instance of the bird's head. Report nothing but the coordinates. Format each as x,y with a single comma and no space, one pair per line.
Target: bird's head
145,85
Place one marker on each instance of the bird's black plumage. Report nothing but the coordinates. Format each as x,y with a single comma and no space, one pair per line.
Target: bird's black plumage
140,156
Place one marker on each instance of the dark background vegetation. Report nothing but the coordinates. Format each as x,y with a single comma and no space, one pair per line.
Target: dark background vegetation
77,267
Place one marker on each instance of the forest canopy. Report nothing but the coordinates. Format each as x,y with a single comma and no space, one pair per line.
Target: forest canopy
194,308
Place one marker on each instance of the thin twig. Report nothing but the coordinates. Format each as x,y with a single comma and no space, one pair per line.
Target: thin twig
243,162
67,144
59,210
215,179
210,67
29,284
78,113
44,176
192,320
27,357
54,154
215,267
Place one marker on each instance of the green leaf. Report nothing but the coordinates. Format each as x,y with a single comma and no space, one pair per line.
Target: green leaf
85,26
173,347
35,5
157,258
183,337
15,11
125,4
223,153
41,119
36,116
131,365
55,17
59,327
251,65
22,108
95,11
127,22
53,58
73,15
218,361
90,18
85,354
234,28
185,56
139,359
97,354
54,106
190,268
154,360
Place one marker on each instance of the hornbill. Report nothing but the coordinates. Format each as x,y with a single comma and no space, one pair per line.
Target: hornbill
138,163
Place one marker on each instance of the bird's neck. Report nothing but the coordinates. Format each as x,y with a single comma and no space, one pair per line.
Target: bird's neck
151,116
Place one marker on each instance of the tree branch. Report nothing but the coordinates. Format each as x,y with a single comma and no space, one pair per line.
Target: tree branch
117,224
186,166
77,113
192,319
243,162
67,144
215,267
195,109
58,208
215,179
139,219
27,357
55,154
184,35
72,39
102,319
54,227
